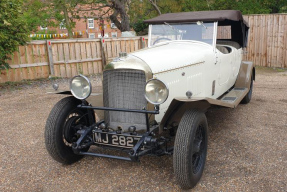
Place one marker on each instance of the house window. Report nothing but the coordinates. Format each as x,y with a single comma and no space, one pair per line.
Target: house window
113,26
91,24
106,35
114,34
92,35
62,24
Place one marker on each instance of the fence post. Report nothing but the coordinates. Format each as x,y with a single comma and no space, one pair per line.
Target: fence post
142,42
50,58
103,52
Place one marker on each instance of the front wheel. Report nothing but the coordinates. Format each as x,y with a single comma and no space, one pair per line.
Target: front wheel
61,129
190,148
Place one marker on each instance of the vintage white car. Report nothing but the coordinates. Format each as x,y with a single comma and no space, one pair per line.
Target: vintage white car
154,100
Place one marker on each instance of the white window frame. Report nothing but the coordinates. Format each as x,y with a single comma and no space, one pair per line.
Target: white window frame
114,34
91,25
92,35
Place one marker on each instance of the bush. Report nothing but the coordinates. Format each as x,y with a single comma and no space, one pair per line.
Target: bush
13,30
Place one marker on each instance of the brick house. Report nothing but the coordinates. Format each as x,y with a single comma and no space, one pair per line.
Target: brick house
87,27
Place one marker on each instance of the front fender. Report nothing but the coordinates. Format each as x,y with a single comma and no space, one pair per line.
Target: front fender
179,105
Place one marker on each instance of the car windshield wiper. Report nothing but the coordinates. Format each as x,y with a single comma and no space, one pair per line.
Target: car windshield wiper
170,26
174,29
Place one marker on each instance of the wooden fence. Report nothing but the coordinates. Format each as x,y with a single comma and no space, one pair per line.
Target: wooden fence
267,44
66,58
267,47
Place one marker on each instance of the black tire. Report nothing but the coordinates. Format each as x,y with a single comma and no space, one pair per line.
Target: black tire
248,96
60,129
190,148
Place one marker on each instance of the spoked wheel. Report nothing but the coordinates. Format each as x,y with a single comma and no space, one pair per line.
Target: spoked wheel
62,125
190,148
198,153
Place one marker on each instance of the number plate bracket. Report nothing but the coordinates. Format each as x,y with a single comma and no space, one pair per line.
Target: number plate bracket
113,139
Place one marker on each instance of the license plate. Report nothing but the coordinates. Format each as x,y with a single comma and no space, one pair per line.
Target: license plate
116,140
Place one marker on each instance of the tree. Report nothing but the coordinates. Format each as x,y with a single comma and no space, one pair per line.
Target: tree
13,30
154,4
34,14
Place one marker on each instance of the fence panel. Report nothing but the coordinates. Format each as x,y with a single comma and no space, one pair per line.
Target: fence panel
267,45
28,62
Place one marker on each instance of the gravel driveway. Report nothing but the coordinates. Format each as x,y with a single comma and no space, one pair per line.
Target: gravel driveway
247,147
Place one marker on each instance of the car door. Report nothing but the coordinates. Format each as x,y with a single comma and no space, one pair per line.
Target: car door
225,67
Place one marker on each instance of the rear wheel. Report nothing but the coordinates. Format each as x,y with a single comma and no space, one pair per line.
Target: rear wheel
190,148
248,96
61,128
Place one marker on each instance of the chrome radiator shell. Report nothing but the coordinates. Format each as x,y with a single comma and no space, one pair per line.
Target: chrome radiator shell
124,88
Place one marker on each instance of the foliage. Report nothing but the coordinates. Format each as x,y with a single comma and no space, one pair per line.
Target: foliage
13,30
145,9
126,13
140,27
35,14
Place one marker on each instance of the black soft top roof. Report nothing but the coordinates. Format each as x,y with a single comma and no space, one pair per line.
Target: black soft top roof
219,15
239,27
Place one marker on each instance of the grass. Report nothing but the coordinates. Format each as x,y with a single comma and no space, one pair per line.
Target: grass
270,69
280,69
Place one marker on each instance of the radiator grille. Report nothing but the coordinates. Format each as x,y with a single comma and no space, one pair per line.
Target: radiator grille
124,88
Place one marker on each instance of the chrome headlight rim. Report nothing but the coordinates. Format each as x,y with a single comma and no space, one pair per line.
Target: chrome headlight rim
154,103
90,85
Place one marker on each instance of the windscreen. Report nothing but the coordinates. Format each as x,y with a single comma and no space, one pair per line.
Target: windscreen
199,31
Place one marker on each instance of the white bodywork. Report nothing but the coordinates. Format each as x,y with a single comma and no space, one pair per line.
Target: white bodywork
191,66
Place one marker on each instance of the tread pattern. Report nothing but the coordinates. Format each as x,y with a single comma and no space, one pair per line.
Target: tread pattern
53,132
182,148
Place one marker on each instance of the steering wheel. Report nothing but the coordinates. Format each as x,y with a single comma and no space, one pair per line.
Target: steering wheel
162,38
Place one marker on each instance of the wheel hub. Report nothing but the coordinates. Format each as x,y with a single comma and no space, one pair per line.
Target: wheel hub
197,145
69,129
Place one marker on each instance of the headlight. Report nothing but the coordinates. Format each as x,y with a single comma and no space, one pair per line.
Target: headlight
156,92
80,87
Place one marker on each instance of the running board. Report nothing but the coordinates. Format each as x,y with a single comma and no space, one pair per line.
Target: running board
230,99
234,97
